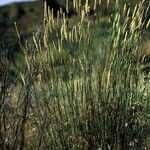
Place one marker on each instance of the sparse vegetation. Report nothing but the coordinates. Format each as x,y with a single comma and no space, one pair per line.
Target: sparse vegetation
78,84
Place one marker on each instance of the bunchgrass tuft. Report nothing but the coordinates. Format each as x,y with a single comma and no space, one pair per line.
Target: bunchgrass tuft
78,85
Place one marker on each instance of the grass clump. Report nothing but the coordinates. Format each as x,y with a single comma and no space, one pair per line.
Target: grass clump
78,89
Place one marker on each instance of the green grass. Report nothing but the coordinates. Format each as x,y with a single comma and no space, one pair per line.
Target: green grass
79,89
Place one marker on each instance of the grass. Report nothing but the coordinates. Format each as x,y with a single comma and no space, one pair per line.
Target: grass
77,87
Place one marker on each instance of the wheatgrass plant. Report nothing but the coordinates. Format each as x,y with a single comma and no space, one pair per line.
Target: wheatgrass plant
78,90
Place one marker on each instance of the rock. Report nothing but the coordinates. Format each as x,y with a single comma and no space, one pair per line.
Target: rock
99,7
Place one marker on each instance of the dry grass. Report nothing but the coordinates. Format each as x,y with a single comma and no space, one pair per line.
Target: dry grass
76,89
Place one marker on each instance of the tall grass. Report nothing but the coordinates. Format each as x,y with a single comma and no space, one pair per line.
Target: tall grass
75,89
